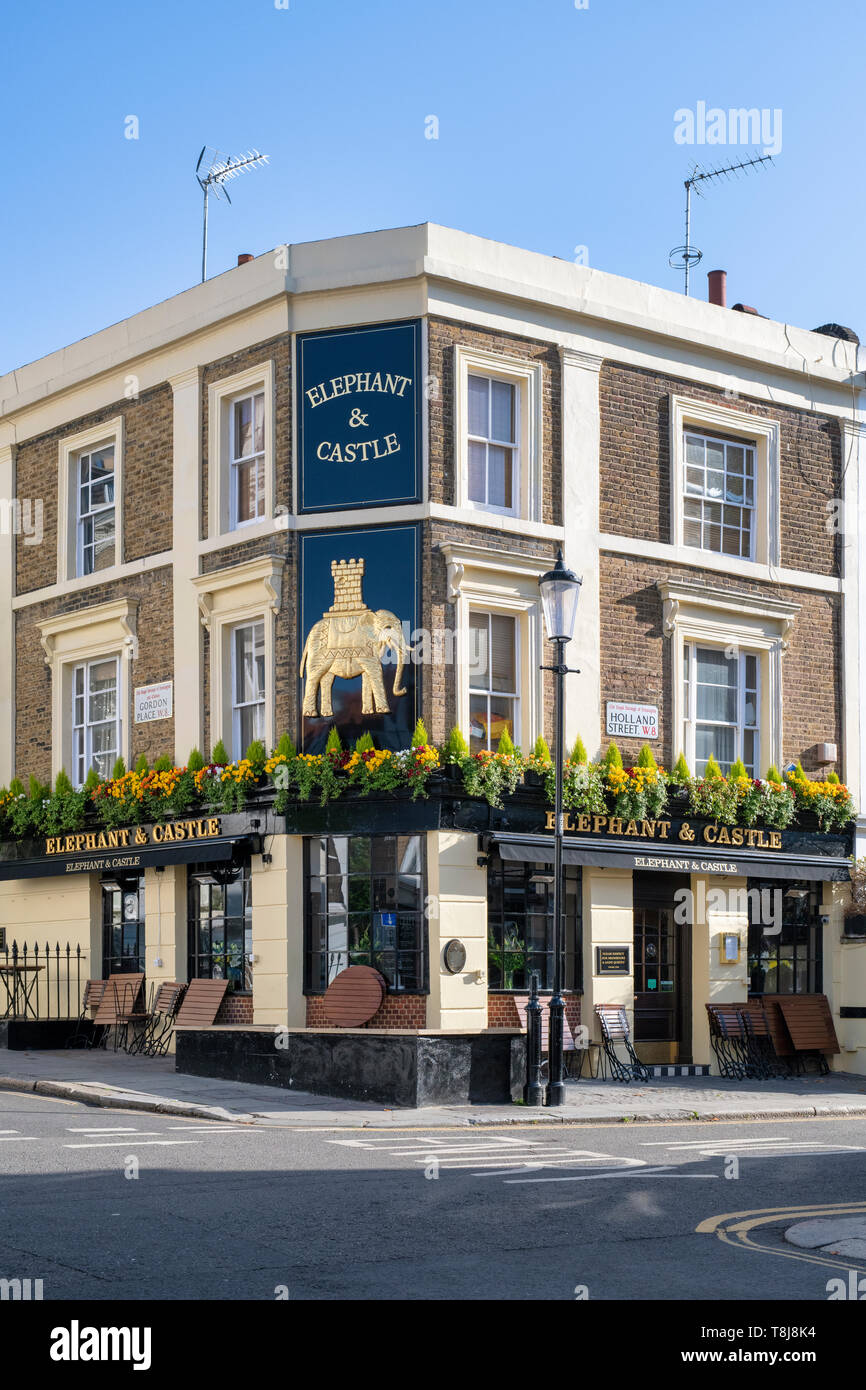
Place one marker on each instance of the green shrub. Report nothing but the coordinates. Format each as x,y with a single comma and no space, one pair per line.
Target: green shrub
505,746
645,758
333,745
712,772
681,774
773,774
738,769
578,752
419,737
456,748
119,769
833,777
195,761
286,747
219,754
256,755
540,750
163,763
141,767
365,743
91,781
62,784
613,757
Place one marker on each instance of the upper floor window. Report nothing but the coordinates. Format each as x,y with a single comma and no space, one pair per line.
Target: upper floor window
498,432
95,718
96,529
240,450
493,663
719,495
722,704
493,443
247,459
248,686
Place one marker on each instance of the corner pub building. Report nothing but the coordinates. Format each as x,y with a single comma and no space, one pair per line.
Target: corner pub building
318,491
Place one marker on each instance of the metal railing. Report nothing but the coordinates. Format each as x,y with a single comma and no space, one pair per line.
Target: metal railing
42,982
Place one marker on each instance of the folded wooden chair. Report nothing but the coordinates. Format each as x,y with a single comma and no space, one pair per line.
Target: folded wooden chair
613,1020
92,998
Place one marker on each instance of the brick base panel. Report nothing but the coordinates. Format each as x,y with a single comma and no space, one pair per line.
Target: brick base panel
397,1011
236,1008
502,1010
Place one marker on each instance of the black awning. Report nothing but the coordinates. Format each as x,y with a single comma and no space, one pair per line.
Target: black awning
132,859
539,849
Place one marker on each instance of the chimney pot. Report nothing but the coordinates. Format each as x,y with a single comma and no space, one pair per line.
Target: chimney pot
244,257
718,287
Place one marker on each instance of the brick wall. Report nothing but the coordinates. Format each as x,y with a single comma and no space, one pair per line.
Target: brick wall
277,350
147,483
502,1010
442,335
635,463
397,1011
636,657
33,678
236,1008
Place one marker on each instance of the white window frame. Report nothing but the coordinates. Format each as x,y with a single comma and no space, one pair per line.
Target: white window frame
108,434
79,773
490,694
234,461
238,747
513,445
702,417
97,633
691,720
486,579
222,517
722,618
228,599
528,378
747,510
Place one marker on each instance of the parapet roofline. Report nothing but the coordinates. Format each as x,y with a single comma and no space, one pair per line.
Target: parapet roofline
601,301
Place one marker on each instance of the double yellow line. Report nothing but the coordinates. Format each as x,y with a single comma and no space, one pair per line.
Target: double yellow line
736,1228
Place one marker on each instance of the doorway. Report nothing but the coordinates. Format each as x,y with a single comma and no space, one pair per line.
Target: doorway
662,970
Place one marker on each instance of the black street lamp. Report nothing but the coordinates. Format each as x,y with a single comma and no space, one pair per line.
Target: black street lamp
560,590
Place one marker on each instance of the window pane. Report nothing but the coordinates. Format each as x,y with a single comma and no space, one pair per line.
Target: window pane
478,655
717,740
478,406
245,482
250,662
503,675
478,721
501,719
503,410
243,418
477,470
499,470
103,539
259,433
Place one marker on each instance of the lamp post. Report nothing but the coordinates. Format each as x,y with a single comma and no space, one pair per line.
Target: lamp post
560,590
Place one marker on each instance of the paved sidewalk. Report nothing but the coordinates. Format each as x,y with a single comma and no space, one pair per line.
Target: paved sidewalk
143,1083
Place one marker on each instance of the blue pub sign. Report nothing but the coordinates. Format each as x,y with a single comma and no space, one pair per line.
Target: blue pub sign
358,613
359,416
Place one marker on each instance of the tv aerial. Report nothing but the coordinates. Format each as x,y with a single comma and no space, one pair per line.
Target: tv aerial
684,257
218,169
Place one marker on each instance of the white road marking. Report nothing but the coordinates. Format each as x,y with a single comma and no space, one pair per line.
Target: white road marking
14,1138
86,1129
214,1129
661,1172
10,1131
133,1140
702,1143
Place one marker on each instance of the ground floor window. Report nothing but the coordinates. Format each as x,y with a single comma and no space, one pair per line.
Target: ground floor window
220,924
520,924
365,906
787,961
122,926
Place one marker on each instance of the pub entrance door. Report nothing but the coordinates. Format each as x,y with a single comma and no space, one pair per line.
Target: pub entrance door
662,970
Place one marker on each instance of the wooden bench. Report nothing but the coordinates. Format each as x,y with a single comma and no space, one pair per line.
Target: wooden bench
201,1003
810,1026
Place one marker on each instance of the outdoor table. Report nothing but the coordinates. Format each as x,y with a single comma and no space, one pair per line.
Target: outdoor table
19,986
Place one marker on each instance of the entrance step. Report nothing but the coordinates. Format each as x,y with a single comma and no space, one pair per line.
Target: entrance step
680,1069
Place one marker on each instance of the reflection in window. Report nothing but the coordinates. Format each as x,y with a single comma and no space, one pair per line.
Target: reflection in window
365,906
520,924
719,495
789,961
221,924
492,662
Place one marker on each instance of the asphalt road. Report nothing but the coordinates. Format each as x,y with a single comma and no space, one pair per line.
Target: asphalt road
104,1204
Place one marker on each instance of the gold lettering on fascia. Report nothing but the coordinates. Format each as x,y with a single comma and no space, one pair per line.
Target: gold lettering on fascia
166,834
738,836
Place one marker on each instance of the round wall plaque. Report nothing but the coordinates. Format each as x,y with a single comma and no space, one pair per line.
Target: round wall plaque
454,956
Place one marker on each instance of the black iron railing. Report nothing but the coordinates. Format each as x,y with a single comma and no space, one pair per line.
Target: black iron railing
42,981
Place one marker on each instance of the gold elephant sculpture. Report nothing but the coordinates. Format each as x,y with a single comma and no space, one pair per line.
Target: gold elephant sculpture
349,645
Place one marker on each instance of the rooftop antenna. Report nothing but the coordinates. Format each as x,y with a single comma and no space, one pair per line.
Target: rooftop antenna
684,257
218,169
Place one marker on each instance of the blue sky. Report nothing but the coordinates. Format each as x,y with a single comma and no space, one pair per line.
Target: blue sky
556,131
